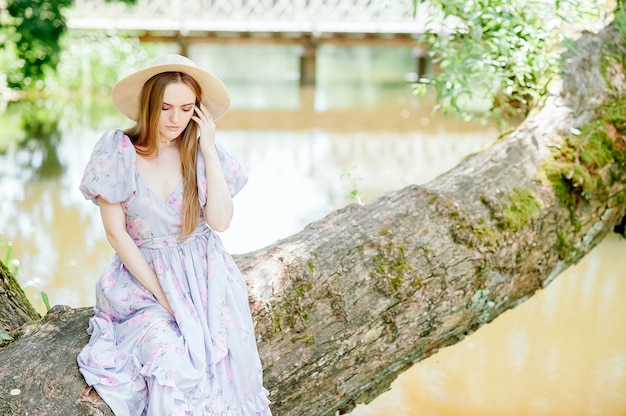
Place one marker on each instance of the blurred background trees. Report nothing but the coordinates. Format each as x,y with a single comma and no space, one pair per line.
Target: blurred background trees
30,40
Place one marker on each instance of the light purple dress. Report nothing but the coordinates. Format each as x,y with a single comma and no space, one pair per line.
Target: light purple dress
139,359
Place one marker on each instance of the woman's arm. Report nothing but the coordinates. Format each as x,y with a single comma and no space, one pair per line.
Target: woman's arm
114,222
218,210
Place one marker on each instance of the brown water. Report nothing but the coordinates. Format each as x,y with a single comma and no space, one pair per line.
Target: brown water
563,352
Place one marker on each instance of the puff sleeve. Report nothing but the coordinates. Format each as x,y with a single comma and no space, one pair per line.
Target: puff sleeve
110,171
232,170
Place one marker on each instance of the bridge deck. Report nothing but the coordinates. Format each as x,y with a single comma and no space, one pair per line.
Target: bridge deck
254,16
307,23
245,26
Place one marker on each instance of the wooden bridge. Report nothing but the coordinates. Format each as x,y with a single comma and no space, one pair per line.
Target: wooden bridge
307,23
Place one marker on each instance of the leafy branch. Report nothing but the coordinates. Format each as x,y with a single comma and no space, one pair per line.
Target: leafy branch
502,51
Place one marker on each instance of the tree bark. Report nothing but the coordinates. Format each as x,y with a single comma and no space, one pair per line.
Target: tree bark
15,310
344,306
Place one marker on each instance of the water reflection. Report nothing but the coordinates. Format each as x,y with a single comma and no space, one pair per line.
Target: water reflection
41,128
36,138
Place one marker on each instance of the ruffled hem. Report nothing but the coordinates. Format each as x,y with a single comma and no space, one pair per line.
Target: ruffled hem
97,360
181,392
191,397
164,380
258,406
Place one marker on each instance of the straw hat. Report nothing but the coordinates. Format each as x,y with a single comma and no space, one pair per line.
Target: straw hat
126,93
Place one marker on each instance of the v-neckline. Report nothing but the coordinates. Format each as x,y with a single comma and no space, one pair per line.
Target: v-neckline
152,191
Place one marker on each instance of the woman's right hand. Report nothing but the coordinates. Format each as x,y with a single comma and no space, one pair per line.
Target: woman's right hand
206,126
165,303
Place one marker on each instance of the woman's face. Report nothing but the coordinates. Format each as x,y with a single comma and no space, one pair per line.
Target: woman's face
176,110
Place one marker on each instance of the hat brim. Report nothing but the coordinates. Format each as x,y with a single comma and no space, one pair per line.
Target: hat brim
127,92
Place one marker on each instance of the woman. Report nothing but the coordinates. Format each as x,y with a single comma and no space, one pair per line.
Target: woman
172,332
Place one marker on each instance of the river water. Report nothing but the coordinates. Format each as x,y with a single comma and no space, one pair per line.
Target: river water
308,152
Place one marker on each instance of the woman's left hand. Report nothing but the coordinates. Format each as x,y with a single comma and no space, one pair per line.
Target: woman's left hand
206,126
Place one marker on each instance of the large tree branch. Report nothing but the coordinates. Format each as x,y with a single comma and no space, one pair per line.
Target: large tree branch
359,296
344,306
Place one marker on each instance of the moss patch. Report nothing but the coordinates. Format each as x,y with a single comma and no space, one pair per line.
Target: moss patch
523,207
473,233
508,214
576,169
562,244
291,313
390,266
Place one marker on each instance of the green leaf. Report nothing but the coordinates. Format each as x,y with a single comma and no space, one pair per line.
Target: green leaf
46,301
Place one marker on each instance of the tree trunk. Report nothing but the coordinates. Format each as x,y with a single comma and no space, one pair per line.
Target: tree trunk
344,306
15,310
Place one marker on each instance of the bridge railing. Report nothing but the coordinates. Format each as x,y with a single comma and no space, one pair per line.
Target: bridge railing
345,16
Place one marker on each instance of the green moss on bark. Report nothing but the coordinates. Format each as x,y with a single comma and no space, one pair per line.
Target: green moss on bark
523,206
577,169
291,313
390,267
15,309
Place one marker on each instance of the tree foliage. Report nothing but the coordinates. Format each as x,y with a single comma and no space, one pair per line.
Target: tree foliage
505,51
36,27
30,32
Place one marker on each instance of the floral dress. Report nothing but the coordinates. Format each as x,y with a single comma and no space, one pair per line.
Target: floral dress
140,359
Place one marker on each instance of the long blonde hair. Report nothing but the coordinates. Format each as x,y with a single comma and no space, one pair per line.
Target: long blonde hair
144,135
